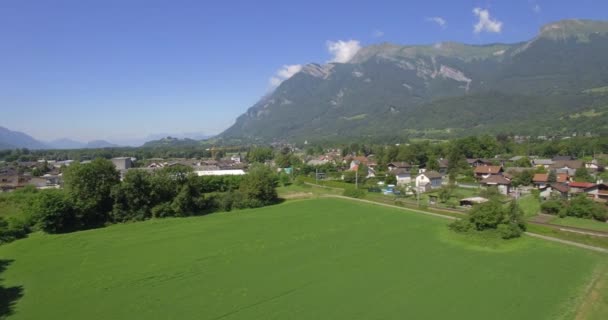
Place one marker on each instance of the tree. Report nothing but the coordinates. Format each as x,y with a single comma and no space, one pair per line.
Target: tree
134,197
258,186
523,178
390,179
582,175
552,177
432,163
54,212
259,155
89,187
523,162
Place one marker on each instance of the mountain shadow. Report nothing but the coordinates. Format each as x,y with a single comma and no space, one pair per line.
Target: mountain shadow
8,295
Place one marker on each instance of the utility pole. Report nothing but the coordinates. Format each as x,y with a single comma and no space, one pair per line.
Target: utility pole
316,176
357,179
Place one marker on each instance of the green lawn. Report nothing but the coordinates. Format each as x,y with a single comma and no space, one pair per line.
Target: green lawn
530,205
303,259
581,223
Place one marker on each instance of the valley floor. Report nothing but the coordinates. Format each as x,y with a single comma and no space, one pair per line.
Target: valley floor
304,259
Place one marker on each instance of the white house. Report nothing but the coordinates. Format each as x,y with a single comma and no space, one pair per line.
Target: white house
428,180
233,172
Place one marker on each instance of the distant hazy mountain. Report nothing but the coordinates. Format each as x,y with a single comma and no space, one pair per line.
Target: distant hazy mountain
15,139
171,142
555,83
66,143
95,144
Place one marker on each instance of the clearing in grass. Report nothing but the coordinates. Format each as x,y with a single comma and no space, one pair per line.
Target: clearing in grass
303,259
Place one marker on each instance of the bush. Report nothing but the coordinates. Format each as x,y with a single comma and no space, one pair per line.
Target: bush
509,230
12,229
163,210
354,193
55,212
551,207
461,225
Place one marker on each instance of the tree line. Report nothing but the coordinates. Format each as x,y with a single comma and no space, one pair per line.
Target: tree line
94,196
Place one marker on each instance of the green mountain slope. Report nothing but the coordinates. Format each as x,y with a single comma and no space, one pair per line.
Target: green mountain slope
533,87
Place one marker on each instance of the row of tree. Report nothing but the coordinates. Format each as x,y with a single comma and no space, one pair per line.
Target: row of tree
94,195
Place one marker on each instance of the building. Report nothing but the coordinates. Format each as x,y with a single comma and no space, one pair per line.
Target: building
482,172
399,165
403,176
428,180
122,163
233,172
503,184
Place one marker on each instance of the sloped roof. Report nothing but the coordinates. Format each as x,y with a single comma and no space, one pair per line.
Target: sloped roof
562,177
563,188
400,164
540,177
496,179
573,164
583,185
488,169
432,174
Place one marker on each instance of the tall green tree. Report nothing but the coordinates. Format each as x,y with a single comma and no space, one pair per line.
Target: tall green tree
258,186
89,187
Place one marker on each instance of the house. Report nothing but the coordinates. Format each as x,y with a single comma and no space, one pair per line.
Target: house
236,158
428,180
567,166
234,172
562,177
399,165
560,189
403,176
540,180
478,162
592,165
482,172
582,187
545,163
443,166
602,192
503,184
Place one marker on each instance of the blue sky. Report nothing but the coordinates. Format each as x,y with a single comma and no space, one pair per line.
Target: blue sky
123,69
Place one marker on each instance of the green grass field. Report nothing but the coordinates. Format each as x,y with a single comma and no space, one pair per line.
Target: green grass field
303,259
581,223
530,205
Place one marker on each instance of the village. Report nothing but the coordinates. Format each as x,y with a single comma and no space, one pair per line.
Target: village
513,177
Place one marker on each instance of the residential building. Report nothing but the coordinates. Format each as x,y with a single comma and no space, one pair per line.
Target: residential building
428,180
482,172
503,184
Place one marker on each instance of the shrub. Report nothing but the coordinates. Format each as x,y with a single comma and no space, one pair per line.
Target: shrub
354,193
55,212
461,225
509,230
163,210
551,207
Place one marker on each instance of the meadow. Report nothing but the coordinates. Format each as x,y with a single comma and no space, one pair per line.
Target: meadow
302,259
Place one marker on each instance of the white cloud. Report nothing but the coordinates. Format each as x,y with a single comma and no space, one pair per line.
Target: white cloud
438,20
343,51
377,34
286,72
486,22
536,8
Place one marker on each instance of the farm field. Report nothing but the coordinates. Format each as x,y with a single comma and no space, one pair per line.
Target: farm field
303,259
581,223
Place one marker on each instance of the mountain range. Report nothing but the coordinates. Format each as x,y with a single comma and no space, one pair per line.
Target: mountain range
553,84
14,139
